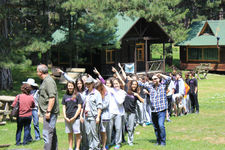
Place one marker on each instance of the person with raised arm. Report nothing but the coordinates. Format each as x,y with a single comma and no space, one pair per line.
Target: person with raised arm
158,100
130,104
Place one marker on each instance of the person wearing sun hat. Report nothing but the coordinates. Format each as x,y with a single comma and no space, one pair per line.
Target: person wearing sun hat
35,93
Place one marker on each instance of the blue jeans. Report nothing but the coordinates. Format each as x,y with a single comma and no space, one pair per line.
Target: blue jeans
49,133
23,122
158,119
36,124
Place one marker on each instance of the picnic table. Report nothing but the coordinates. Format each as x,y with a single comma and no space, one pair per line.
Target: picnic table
5,107
203,69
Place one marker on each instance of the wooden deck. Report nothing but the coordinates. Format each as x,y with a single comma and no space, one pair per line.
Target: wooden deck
192,66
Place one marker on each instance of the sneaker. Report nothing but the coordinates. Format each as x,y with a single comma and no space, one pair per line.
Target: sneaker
157,144
107,147
18,144
168,120
117,147
131,144
148,123
144,125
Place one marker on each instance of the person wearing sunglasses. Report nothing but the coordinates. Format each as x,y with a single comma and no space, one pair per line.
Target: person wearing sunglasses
158,103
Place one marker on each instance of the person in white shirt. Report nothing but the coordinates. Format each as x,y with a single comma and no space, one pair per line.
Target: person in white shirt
179,92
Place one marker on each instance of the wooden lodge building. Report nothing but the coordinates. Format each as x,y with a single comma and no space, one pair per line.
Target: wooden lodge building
135,37
205,44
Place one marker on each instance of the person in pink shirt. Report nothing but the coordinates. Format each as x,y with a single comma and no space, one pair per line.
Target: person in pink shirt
26,104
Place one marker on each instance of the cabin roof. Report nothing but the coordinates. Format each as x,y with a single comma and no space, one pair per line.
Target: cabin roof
205,33
125,25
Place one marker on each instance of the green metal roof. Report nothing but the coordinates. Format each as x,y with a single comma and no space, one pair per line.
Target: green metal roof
195,39
124,24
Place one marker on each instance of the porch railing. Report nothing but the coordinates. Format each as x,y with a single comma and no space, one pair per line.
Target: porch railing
155,66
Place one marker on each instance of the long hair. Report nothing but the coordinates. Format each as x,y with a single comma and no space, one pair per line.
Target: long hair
110,80
82,88
101,88
121,85
130,90
67,90
75,91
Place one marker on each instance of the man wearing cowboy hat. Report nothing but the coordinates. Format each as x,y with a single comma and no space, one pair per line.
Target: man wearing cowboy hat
35,94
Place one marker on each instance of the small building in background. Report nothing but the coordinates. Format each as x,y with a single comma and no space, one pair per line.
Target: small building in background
205,44
135,35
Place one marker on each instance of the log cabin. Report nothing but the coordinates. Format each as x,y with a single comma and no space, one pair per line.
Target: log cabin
135,35
205,44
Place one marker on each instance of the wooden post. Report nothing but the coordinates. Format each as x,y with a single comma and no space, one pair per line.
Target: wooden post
146,56
135,57
164,64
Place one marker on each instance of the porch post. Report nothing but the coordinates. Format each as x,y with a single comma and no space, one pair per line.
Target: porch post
135,58
146,56
164,64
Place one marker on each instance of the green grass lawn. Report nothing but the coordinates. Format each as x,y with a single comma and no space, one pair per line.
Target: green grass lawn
192,132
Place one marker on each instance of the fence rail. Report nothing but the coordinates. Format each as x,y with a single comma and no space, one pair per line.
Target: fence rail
155,65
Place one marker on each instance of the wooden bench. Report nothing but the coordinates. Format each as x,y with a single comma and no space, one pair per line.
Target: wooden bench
202,69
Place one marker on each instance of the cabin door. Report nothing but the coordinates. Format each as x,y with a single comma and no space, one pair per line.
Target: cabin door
140,57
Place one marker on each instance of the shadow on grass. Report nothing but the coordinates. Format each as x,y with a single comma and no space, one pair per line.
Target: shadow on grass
153,141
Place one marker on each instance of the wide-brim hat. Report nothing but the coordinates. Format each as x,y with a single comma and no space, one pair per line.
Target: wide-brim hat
31,82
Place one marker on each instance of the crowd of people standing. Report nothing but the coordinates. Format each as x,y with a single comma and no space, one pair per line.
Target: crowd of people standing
99,112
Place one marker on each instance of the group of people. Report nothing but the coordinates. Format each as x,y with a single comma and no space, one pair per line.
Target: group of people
182,94
99,112
35,100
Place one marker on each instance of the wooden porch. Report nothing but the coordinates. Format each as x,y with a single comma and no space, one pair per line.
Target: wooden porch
154,66
192,66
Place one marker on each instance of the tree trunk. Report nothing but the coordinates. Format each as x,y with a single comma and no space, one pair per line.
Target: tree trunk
5,73
6,81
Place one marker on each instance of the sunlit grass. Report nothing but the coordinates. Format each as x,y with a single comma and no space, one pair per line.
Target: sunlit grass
204,131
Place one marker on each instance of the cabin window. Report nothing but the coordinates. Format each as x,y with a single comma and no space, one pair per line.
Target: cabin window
110,56
140,51
211,53
203,54
195,53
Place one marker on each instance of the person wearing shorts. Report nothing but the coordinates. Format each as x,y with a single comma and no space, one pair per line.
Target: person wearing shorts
72,103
